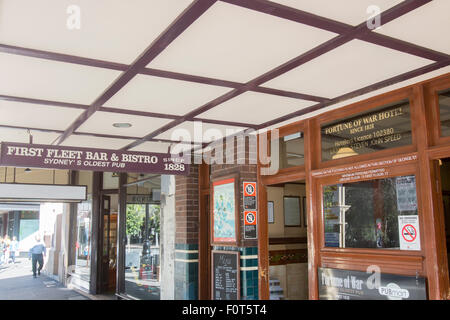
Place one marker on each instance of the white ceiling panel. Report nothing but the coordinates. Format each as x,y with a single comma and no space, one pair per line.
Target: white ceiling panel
398,85
21,136
427,26
102,122
111,30
152,146
36,116
351,66
154,94
255,108
49,80
232,43
198,132
351,12
95,142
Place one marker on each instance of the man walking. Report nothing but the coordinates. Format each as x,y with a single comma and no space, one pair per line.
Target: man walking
14,249
37,253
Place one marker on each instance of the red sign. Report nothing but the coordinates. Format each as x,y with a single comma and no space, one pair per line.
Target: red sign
250,189
409,233
250,218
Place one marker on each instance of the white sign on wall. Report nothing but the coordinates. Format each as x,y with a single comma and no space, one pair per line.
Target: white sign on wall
408,227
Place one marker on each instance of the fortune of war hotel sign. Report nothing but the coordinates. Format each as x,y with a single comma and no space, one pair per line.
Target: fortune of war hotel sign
73,158
382,129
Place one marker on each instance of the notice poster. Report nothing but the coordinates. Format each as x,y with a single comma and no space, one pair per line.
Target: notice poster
335,284
331,213
406,193
408,228
250,231
224,211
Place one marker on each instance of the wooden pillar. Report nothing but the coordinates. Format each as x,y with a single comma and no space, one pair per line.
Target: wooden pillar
431,219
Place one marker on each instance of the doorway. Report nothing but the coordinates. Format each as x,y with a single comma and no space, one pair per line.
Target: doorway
444,168
109,250
287,232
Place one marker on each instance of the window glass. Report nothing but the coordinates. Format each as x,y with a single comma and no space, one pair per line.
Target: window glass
83,240
291,150
365,214
444,112
82,244
142,249
382,128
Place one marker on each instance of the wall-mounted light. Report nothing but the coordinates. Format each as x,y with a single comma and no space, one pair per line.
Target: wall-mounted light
344,152
27,170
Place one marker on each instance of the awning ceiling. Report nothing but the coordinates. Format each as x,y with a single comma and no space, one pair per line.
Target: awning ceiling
160,65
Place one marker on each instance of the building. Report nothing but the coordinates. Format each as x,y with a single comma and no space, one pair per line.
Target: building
299,169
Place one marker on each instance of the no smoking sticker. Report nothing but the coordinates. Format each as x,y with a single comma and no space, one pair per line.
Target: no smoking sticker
409,236
250,218
409,233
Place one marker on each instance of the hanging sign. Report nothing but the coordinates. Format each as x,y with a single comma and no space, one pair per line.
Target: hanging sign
408,227
250,231
74,158
250,202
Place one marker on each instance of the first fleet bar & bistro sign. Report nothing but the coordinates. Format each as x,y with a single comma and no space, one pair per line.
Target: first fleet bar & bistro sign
73,158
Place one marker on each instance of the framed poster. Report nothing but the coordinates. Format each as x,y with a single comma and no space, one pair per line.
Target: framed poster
225,211
291,207
270,217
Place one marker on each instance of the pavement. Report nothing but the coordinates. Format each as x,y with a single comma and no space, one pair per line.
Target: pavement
17,283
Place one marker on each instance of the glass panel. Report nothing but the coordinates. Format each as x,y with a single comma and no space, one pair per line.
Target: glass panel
83,242
365,214
142,249
382,128
444,112
292,150
110,180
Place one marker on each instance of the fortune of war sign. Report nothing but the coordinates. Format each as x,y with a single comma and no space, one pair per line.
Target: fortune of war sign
73,158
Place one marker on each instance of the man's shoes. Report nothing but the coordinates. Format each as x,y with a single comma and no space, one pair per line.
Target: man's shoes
34,276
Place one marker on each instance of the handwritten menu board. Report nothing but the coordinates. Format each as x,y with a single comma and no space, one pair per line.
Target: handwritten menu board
225,275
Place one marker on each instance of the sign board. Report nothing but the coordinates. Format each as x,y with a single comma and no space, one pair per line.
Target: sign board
42,192
225,275
406,193
375,130
74,158
250,231
337,284
250,202
409,234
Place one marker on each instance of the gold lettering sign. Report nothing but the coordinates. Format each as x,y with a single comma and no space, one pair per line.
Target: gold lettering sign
385,128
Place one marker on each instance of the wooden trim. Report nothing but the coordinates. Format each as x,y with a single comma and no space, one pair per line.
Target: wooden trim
288,256
204,257
263,236
287,240
121,234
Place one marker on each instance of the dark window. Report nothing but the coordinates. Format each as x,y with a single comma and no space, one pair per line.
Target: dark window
444,112
291,150
386,127
365,214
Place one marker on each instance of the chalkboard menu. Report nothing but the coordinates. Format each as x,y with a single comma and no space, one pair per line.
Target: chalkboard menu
225,275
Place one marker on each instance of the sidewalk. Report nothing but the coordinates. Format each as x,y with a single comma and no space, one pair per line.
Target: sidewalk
17,283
